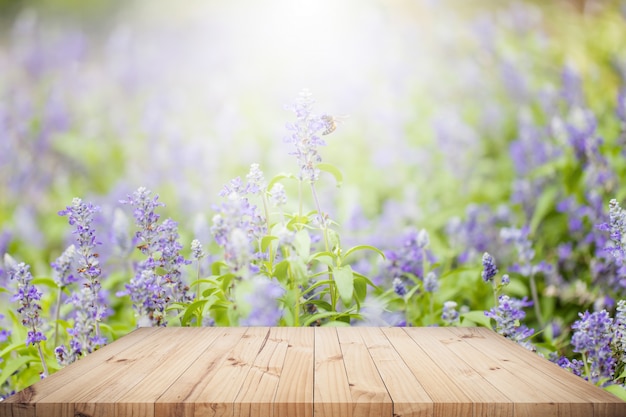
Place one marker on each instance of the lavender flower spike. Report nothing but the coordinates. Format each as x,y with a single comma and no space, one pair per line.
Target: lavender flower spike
28,296
450,315
507,315
593,338
489,267
81,216
90,307
617,229
305,136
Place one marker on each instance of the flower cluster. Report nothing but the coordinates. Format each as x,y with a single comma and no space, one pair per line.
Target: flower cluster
593,338
238,225
81,215
158,280
617,229
508,315
305,136
89,302
28,297
489,267
409,262
65,268
450,315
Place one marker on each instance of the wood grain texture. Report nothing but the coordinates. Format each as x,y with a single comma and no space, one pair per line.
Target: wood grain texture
287,372
367,389
331,392
294,395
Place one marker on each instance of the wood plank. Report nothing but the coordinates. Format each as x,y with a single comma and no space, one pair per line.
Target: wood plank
407,394
528,397
22,404
256,398
139,400
331,393
571,393
218,396
179,400
286,372
294,396
367,389
486,398
449,400
95,393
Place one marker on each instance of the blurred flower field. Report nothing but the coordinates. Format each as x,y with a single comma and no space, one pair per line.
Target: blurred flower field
314,164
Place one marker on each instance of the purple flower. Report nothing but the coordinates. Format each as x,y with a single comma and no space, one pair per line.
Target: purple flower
27,297
81,216
145,217
431,284
256,180
507,315
489,268
593,337
399,287
278,195
4,334
89,303
64,268
617,230
575,366
305,136
150,291
410,258
197,251
450,315
237,227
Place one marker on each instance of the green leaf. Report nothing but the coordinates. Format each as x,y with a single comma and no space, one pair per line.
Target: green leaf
360,288
336,323
476,317
280,271
316,285
46,282
12,347
333,170
364,247
366,279
193,310
321,304
266,241
344,278
216,267
318,316
210,281
302,243
13,364
278,178
617,390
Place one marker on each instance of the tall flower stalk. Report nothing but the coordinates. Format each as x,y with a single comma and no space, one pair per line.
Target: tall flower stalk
158,279
29,308
306,138
64,273
89,305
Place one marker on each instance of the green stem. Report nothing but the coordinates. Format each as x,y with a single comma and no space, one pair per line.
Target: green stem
43,361
533,291
322,219
56,317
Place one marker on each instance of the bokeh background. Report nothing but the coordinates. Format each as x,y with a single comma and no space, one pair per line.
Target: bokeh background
461,118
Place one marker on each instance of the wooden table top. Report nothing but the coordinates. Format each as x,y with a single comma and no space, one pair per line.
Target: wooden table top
323,371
